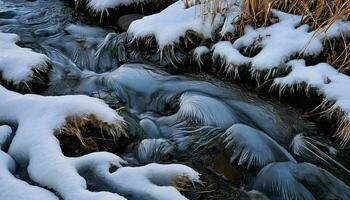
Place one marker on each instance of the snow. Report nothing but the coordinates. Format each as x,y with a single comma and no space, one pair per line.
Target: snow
11,187
278,42
103,5
199,52
230,57
18,64
35,145
152,181
172,23
325,79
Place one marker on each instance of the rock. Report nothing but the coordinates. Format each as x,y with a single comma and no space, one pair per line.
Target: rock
125,21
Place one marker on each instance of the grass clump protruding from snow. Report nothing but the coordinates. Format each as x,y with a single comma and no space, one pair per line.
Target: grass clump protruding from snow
91,134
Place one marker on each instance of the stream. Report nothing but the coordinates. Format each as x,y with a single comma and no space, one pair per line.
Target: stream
171,118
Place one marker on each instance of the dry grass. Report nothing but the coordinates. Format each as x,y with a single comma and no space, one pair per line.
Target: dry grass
337,54
92,133
212,7
182,183
316,13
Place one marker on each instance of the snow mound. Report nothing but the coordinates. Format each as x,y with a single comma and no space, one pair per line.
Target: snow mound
173,23
18,64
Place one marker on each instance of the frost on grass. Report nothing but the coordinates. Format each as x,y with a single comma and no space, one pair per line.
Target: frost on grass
20,65
36,148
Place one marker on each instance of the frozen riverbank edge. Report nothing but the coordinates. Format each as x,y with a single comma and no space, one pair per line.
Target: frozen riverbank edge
283,57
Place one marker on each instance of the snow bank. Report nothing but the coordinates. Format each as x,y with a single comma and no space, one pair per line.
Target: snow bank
35,145
329,83
278,43
172,23
19,64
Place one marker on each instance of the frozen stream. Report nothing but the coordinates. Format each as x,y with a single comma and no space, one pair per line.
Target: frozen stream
171,118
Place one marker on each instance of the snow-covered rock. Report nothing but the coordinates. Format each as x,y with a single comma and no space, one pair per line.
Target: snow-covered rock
18,64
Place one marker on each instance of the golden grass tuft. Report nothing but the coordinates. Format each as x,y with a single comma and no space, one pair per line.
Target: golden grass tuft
182,183
93,134
316,13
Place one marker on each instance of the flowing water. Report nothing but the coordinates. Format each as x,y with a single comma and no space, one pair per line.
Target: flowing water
166,114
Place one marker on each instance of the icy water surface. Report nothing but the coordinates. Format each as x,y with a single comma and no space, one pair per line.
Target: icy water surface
171,118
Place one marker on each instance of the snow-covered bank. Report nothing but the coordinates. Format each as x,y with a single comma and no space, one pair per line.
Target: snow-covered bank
263,52
277,45
34,145
174,22
19,65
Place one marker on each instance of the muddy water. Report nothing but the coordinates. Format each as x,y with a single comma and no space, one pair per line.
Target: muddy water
167,113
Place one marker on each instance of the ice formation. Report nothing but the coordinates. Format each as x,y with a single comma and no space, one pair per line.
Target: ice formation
288,180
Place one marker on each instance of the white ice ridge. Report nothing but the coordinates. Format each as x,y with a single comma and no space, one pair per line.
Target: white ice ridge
18,64
173,22
278,42
332,84
35,145
103,5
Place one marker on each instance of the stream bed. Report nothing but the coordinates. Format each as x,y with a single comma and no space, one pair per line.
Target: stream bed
170,118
